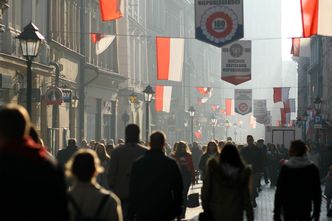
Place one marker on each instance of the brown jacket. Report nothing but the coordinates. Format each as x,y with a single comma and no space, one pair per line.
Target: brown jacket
121,162
225,192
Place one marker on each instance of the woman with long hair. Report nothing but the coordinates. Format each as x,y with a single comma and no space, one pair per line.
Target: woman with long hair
104,161
211,152
225,191
183,157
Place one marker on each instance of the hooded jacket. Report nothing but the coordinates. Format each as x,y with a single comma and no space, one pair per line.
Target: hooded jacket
298,188
225,192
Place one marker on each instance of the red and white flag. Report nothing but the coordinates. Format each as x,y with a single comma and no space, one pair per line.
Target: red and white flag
229,107
163,98
203,90
285,117
316,17
198,134
207,95
102,41
170,57
280,94
111,9
301,47
215,107
290,106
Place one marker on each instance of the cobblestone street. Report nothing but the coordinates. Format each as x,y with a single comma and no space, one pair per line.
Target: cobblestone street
264,210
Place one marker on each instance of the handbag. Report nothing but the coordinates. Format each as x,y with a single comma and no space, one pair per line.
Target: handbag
193,200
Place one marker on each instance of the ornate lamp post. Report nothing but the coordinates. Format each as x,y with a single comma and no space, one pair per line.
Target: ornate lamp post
30,41
317,102
191,112
214,122
148,94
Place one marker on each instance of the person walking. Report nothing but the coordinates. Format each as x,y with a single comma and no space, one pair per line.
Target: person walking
298,187
87,199
328,190
225,191
104,158
211,152
155,185
183,157
121,162
65,154
254,156
32,185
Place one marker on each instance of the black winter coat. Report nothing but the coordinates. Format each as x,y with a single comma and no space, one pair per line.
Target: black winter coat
155,190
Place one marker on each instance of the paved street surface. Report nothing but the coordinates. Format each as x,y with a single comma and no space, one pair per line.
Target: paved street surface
264,210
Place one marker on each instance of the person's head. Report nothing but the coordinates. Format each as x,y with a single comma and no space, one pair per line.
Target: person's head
92,144
221,145
84,166
120,142
231,156
84,143
229,139
110,142
297,149
132,133
101,152
260,142
212,147
103,141
250,140
182,148
72,142
204,148
195,145
109,149
175,147
14,123
157,140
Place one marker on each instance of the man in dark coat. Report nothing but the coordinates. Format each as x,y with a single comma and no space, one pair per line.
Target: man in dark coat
65,154
298,187
254,156
121,162
155,185
32,186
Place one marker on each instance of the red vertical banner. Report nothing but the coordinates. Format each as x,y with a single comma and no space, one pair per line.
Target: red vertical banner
110,9
309,17
228,106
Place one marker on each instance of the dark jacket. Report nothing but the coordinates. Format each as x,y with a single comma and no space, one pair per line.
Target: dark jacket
65,154
225,192
298,188
255,157
203,163
120,165
32,186
155,188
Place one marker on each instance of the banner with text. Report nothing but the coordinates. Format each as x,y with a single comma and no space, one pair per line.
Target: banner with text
243,101
236,62
219,22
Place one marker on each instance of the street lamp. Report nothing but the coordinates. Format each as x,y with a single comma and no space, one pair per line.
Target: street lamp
214,122
75,100
191,112
30,41
148,94
227,125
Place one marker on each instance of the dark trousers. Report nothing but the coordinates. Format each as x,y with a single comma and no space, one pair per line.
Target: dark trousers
186,186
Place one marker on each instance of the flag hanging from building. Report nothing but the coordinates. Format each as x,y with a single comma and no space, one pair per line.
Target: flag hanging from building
285,117
203,90
316,17
206,96
102,41
219,22
280,94
252,122
229,107
301,47
243,101
170,57
290,105
236,62
215,107
111,9
163,98
198,134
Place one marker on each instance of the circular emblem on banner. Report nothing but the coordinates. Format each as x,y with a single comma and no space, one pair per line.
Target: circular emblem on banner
219,24
54,96
243,107
236,50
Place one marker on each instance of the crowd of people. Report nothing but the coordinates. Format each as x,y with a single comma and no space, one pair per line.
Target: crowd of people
135,181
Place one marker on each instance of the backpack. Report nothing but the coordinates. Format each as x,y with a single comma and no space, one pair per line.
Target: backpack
81,217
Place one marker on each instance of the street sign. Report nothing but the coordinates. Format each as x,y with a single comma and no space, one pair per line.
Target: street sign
219,22
243,101
54,96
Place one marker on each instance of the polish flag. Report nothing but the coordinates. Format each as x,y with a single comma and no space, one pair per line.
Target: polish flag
198,134
170,57
102,41
316,17
280,94
163,98
301,47
229,104
206,96
290,106
285,117
111,9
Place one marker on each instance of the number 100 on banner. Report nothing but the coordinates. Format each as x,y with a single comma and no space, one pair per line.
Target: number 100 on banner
219,22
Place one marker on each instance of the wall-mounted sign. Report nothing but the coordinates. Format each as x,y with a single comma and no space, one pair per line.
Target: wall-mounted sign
54,96
67,95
